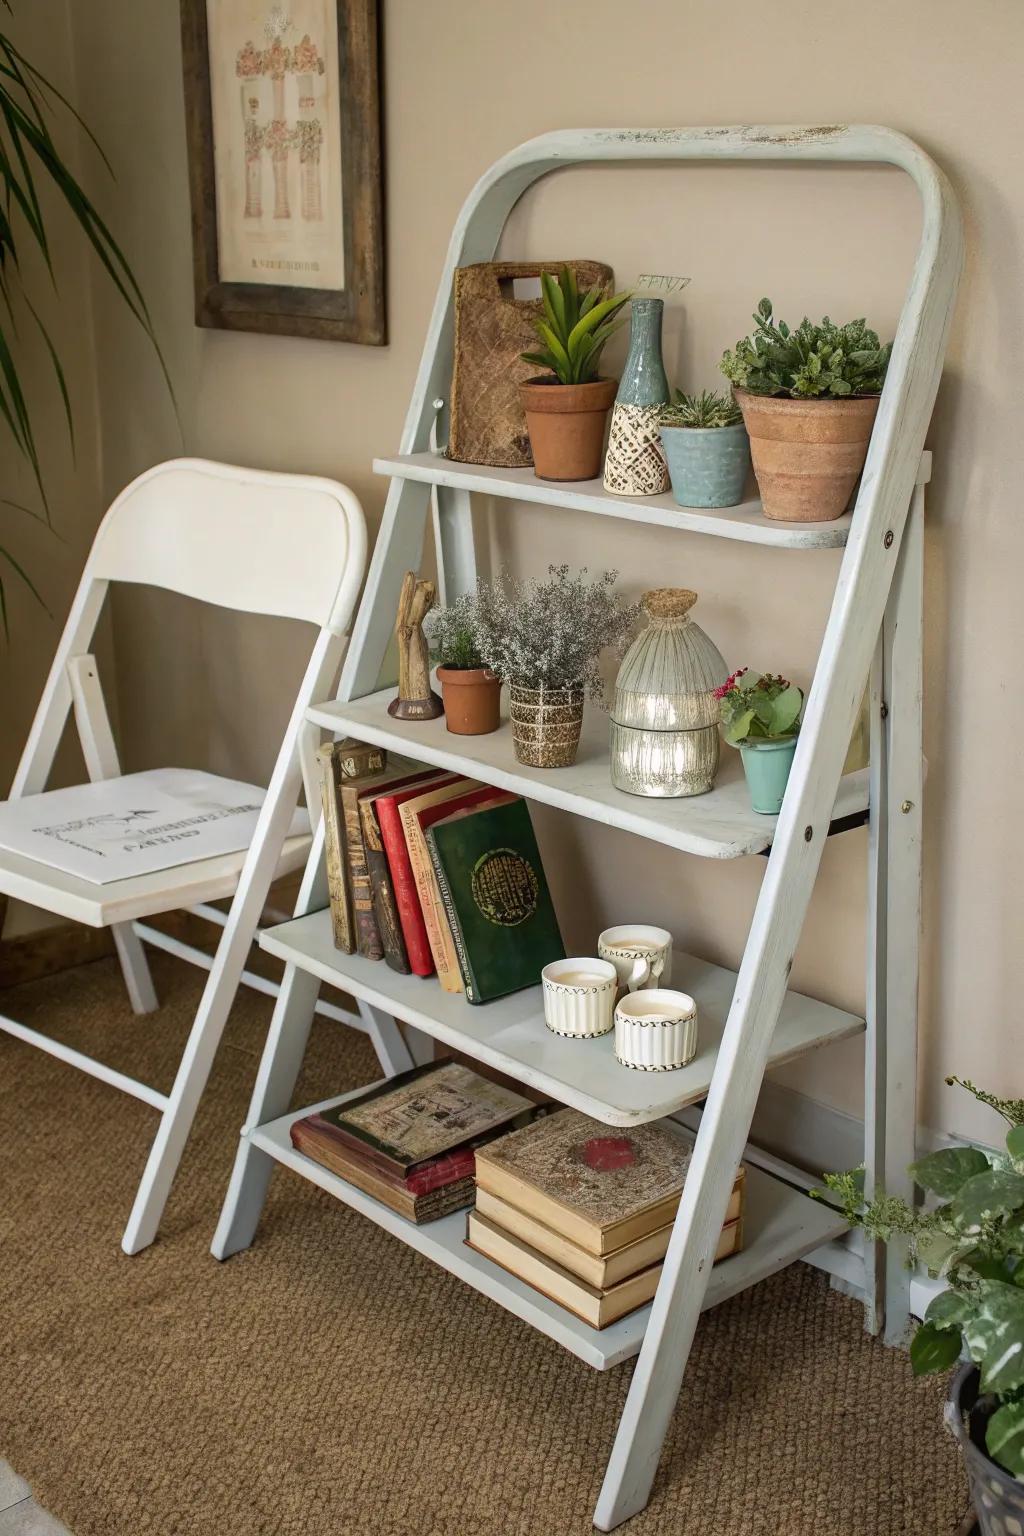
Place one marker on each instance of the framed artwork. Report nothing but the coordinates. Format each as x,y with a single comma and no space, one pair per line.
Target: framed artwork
282,100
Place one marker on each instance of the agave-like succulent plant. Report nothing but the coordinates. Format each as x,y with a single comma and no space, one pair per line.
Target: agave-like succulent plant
573,330
708,409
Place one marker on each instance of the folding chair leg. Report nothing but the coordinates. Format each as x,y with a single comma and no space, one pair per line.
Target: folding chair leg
138,978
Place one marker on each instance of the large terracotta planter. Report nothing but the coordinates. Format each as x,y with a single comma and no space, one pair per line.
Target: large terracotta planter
566,423
807,453
472,696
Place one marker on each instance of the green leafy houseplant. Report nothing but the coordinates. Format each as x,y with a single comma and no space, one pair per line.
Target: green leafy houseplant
758,707
30,159
810,362
452,632
708,409
573,331
974,1237
470,690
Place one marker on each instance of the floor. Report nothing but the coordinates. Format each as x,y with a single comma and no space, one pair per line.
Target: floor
20,1515
330,1379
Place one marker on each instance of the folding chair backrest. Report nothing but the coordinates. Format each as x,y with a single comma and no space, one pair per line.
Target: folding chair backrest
293,546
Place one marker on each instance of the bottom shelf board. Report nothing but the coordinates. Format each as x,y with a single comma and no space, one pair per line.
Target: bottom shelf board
780,1225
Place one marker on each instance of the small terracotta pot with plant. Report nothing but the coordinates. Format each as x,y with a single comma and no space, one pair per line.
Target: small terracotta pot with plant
974,1238
567,407
470,690
761,715
545,639
809,398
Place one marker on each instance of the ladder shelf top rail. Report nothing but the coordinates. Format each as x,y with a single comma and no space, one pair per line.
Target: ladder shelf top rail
780,1225
718,825
510,1035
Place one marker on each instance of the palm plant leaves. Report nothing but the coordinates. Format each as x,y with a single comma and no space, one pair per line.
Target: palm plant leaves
574,332
28,151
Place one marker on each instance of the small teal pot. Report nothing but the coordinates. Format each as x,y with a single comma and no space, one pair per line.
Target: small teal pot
708,465
766,765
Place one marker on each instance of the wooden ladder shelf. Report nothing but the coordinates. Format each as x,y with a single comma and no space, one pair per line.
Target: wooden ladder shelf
750,1021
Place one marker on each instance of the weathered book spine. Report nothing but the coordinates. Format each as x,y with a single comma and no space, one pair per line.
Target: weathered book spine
396,845
435,919
453,920
367,935
381,891
357,758
334,850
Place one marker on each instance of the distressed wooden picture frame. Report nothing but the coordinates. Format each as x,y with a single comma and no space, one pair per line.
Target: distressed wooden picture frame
350,311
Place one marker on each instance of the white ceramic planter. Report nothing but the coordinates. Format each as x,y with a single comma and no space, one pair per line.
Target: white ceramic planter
656,1030
579,997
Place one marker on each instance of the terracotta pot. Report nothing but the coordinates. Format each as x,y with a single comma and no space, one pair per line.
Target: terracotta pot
546,724
567,424
807,453
471,699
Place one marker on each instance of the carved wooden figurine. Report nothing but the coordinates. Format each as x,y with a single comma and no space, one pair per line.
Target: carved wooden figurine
416,699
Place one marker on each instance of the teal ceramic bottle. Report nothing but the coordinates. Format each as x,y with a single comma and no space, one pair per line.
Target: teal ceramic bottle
635,464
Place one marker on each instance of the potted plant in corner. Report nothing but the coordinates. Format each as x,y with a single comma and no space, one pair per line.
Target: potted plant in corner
809,399
544,639
761,716
974,1238
470,690
706,448
567,408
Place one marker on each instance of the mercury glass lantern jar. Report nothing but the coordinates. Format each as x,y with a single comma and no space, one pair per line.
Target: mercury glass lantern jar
664,719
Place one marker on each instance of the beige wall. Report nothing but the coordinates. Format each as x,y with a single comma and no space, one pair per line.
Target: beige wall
464,83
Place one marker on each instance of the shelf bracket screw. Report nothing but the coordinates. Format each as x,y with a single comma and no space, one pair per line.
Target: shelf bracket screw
887,541
907,807
808,834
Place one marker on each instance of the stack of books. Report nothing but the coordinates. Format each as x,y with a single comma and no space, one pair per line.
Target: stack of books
410,1142
434,873
583,1212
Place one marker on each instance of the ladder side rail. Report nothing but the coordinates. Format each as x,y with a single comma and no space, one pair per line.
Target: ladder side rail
856,616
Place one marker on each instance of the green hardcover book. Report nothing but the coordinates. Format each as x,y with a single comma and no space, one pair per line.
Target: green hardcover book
496,898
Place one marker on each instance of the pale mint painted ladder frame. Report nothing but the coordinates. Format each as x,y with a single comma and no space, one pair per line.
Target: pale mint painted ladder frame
873,636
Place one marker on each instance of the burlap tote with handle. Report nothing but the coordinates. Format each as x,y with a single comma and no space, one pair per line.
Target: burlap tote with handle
492,328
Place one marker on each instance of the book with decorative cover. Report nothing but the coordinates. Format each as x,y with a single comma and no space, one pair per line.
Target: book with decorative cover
496,898
367,933
600,1187
435,1189
420,1115
598,1306
336,761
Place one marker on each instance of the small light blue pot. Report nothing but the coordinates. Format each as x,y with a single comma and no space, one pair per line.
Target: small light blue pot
766,765
708,465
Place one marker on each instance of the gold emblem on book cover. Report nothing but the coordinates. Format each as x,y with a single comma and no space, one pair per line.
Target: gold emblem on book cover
505,887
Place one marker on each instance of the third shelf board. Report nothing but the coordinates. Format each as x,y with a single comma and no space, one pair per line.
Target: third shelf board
719,825
510,1035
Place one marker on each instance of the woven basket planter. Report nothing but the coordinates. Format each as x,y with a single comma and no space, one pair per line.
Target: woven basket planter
546,725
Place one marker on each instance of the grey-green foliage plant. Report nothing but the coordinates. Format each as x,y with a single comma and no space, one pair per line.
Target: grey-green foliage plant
974,1238
30,159
550,634
708,409
828,360
573,330
758,707
453,633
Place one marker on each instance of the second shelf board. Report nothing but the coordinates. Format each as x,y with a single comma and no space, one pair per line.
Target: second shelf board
510,1035
780,1225
719,825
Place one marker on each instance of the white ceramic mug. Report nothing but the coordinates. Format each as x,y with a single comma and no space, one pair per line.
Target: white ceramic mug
656,1030
640,953
579,997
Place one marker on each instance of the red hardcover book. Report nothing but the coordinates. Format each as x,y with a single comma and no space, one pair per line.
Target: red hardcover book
410,916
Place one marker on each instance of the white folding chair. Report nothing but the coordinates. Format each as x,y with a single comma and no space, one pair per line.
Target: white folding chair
289,546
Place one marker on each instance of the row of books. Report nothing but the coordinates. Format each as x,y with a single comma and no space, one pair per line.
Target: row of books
432,872
578,1211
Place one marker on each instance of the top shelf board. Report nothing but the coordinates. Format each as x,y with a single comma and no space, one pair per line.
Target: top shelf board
745,522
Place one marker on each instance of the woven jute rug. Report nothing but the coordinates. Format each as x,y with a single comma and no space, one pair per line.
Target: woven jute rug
331,1381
